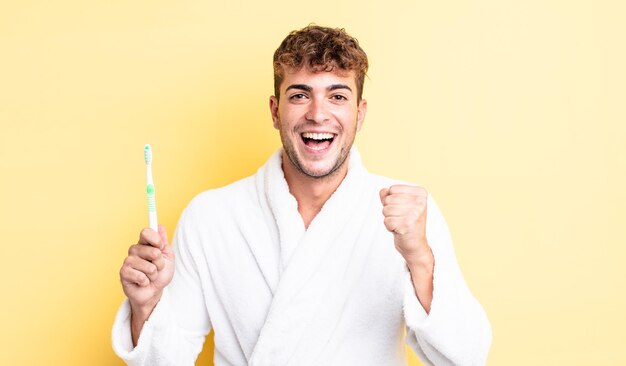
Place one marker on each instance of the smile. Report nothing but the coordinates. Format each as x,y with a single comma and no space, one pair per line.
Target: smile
317,141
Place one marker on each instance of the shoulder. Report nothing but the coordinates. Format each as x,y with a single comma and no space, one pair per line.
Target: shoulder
215,216
217,201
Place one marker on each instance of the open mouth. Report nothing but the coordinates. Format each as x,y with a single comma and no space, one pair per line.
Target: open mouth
317,141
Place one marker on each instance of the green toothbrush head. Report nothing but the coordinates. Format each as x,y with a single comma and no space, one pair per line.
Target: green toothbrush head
147,154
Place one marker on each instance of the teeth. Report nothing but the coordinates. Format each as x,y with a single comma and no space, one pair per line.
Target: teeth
317,136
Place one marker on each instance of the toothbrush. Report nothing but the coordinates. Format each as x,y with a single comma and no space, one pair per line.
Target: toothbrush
152,214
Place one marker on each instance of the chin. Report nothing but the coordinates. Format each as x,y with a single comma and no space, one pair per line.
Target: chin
321,170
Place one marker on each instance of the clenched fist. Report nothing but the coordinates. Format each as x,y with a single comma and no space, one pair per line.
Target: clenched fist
404,208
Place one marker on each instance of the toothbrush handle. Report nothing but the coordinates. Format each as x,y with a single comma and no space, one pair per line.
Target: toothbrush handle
153,221
152,214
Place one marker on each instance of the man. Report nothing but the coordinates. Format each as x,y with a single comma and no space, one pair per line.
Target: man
313,260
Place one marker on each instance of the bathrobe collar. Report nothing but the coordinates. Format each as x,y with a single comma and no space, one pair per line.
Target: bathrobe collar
317,267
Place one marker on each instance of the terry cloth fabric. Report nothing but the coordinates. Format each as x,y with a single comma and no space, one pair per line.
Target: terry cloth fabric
275,294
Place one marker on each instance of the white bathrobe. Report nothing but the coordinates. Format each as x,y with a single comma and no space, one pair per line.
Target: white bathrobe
275,294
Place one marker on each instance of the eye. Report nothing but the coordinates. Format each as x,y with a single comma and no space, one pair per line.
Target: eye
298,96
339,97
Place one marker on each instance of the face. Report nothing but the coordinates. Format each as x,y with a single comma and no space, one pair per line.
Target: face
318,117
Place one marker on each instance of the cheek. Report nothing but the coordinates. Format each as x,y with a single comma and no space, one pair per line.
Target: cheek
349,121
289,117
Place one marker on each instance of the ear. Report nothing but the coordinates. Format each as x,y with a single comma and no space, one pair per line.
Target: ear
361,111
274,111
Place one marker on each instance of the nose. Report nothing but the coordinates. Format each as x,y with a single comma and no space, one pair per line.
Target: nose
317,111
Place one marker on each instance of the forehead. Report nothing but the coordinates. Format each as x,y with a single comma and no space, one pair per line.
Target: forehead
318,79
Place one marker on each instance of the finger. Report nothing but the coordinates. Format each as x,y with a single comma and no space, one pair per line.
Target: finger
396,225
383,193
159,262
399,210
166,249
390,223
163,235
143,251
402,188
403,198
412,209
131,276
400,225
147,236
142,265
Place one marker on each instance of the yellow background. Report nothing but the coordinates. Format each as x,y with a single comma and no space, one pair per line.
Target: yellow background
511,113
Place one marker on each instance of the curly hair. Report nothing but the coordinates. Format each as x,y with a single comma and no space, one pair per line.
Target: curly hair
320,49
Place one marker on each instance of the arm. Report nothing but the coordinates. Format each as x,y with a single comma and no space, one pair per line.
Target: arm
147,270
421,271
404,208
445,324
170,329
456,331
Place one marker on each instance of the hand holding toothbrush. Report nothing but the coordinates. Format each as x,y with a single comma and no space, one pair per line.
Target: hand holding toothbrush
149,266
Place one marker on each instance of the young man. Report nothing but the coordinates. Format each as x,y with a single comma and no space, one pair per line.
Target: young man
311,261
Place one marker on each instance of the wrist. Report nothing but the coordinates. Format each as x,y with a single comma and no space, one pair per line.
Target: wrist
421,260
141,312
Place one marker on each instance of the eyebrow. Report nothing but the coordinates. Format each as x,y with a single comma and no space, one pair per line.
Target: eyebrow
339,86
308,88
299,87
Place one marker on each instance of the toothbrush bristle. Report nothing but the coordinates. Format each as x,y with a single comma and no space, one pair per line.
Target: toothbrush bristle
147,153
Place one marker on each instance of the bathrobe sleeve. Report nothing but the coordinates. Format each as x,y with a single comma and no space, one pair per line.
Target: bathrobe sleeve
176,330
456,331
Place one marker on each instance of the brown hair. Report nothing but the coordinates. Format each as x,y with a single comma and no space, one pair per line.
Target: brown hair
320,49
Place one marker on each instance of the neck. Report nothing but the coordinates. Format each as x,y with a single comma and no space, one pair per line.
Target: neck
311,193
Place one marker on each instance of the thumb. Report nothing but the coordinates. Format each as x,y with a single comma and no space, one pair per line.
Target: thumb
383,193
165,243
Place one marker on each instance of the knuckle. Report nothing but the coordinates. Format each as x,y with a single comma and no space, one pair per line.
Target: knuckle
126,265
134,250
158,265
